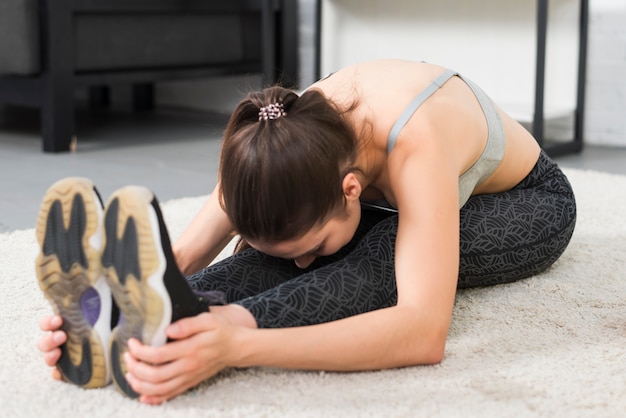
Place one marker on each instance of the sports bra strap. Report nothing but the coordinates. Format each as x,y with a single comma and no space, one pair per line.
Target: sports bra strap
414,105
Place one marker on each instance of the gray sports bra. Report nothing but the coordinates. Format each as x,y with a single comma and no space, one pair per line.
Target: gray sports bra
494,149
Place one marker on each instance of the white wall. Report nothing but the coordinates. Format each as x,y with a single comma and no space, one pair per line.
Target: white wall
605,113
492,43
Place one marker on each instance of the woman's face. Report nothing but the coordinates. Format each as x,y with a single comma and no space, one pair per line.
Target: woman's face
325,239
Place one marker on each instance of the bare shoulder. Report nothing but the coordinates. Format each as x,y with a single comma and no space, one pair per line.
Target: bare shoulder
376,76
377,92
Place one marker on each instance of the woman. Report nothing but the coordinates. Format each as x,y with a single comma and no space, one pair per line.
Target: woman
366,202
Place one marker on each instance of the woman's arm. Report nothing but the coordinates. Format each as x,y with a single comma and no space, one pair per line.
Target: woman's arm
207,234
392,337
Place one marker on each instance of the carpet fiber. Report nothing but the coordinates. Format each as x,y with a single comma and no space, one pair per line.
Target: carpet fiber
552,345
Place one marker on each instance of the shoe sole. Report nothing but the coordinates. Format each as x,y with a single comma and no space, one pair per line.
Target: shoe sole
68,270
134,264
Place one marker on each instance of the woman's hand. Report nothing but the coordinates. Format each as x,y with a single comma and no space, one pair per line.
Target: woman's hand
202,347
49,343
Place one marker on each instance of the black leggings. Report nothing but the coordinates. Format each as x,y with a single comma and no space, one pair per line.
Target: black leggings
504,237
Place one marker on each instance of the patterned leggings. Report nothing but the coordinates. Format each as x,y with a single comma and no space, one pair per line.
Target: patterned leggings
504,237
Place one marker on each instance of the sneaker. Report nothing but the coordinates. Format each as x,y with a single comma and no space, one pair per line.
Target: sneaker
69,273
146,283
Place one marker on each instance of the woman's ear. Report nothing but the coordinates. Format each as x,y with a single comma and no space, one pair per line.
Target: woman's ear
351,187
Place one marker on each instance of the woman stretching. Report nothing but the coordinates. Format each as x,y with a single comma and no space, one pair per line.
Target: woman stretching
362,205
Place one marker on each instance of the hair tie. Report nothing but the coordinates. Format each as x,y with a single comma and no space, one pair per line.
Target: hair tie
272,111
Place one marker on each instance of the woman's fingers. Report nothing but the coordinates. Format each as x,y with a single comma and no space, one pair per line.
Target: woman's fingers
186,327
52,357
56,374
51,341
159,373
174,350
50,323
157,384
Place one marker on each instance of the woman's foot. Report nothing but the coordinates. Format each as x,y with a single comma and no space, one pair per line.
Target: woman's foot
69,234
143,276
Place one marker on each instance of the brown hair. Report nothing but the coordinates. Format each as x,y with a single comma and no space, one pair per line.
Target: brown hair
281,177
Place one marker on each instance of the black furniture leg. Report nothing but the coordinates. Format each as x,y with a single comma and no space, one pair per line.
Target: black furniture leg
318,40
99,97
268,41
582,74
288,46
540,71
57,118
143,97
57,101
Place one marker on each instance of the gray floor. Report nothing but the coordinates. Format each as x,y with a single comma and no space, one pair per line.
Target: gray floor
173,152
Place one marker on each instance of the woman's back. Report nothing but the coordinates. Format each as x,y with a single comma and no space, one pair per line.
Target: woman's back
452,116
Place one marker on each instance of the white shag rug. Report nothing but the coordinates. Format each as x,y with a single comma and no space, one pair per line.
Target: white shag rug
553,345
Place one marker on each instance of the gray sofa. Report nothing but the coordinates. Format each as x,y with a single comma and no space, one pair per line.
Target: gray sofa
50,47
